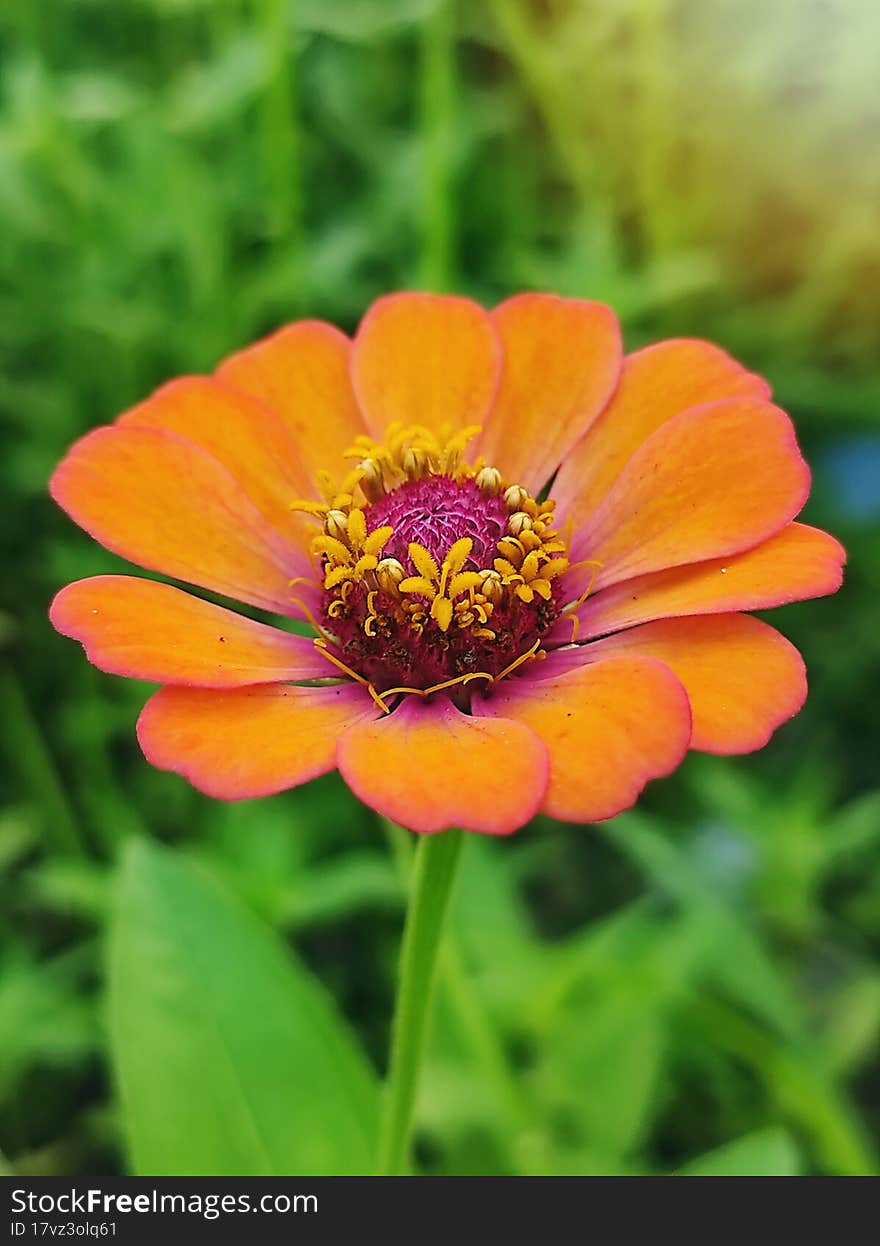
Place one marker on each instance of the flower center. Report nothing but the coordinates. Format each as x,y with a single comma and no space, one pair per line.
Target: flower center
434,571
437,511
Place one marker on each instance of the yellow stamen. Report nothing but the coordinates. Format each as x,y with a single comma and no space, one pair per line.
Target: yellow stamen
488,480
523,657
337,662
586,562
519,522
322,631
387,602
378,699
514,497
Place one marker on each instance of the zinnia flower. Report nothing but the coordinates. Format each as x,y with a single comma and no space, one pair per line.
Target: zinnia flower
483,648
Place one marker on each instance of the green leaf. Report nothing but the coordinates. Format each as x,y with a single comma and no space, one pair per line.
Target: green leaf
230,1058
742,964
765,1153
46,1018
608,1067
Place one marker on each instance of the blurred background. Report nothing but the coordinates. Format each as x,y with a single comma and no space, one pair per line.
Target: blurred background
693,986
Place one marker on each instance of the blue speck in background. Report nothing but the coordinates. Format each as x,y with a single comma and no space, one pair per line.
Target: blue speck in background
851,471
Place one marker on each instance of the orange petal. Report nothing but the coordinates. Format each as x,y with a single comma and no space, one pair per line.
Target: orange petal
655,384
248,439
742,678
239,743
430,767
609,726
711,482
302,373
148,630
798,563
425,359
561,362
162,502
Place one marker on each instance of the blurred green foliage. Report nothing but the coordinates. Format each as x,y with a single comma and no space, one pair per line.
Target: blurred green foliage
691,987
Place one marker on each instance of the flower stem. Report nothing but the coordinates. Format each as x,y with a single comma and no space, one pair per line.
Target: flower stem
432,880
522,1141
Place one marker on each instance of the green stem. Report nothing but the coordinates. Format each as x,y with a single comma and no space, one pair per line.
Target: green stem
282,139
522,1141
438,138
433,877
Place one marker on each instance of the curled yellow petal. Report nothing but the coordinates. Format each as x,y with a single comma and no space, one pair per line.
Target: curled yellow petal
423,562
458,555
441,610
357,528
462,582
376,541
417,584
